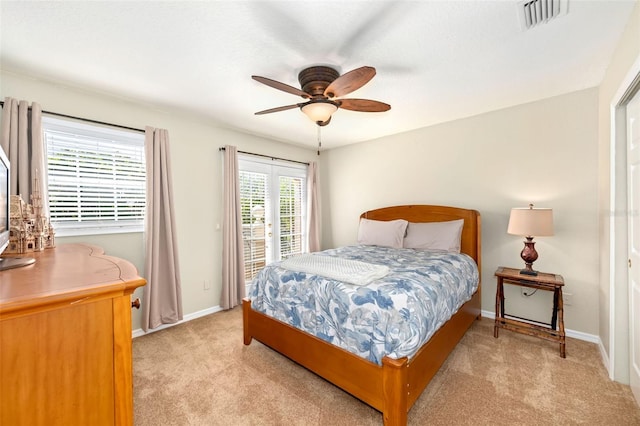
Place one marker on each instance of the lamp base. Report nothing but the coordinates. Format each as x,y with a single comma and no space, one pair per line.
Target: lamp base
529,255
529,272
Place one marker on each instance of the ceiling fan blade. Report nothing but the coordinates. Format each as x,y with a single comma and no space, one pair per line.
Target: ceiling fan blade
349,82
278,109
363,105
280,86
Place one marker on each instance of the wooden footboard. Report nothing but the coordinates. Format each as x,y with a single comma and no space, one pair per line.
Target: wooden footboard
391,388
355,375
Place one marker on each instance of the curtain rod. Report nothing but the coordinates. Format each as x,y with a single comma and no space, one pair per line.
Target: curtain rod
267,156
88,120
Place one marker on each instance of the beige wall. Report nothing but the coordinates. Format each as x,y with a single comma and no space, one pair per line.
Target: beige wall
197,178
613,301
543,152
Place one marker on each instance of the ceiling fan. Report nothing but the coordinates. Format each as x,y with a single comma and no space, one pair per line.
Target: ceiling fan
322,86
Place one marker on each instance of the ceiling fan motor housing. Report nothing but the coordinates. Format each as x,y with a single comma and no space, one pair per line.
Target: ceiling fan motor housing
314,80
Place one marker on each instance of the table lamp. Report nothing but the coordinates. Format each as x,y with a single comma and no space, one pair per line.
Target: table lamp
530,222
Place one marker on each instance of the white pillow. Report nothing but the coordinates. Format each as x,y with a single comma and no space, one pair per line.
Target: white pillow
435,235
382,233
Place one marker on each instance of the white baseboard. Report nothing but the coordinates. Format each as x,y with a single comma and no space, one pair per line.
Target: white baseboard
569,333
139,332
605,359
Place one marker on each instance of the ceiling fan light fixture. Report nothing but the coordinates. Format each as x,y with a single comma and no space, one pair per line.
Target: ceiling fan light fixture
319,111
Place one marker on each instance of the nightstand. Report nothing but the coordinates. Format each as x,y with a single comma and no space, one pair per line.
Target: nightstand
553,331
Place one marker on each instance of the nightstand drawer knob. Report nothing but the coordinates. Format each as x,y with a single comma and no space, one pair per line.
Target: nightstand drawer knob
629,263
135,304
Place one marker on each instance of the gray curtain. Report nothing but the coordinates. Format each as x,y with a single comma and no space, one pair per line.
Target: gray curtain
233,285
313,208
162,299
23,143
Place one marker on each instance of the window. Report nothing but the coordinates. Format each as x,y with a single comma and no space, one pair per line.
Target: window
96,177
273,204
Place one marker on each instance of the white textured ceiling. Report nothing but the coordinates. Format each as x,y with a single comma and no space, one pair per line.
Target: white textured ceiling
436,60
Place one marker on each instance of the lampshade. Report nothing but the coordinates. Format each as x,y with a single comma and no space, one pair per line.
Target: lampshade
319,111
531,222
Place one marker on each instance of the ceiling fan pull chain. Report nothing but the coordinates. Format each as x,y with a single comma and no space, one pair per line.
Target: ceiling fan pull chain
319,140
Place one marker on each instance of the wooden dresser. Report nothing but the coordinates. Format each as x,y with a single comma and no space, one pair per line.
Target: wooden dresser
65,339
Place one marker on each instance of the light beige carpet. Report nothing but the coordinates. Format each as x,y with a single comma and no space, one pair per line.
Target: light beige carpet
200,373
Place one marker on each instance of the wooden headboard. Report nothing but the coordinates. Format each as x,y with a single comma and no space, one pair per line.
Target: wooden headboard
471,236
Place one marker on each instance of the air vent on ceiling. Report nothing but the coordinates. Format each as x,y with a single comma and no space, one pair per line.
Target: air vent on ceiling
535,12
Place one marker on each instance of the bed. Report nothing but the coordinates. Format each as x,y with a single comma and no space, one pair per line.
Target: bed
392,385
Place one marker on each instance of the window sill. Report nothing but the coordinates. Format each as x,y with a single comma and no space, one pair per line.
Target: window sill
74,232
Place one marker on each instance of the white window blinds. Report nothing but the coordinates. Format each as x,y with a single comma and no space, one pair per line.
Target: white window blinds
96,177
291,215
254,200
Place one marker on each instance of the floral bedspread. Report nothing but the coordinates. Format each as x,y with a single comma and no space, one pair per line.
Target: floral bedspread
394,315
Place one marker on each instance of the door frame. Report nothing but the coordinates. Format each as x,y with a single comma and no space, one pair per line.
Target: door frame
633,186
618,362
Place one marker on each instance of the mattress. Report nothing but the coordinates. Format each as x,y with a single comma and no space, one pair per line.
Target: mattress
393,315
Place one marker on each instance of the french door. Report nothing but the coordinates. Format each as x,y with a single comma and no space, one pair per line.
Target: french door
273,204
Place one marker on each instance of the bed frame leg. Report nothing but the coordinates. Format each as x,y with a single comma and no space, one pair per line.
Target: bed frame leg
396,388
246,310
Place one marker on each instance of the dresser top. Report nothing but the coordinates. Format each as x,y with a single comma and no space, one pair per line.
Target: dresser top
68,273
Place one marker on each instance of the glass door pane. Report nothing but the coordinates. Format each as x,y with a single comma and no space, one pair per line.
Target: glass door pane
291,216
254,201
273,213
